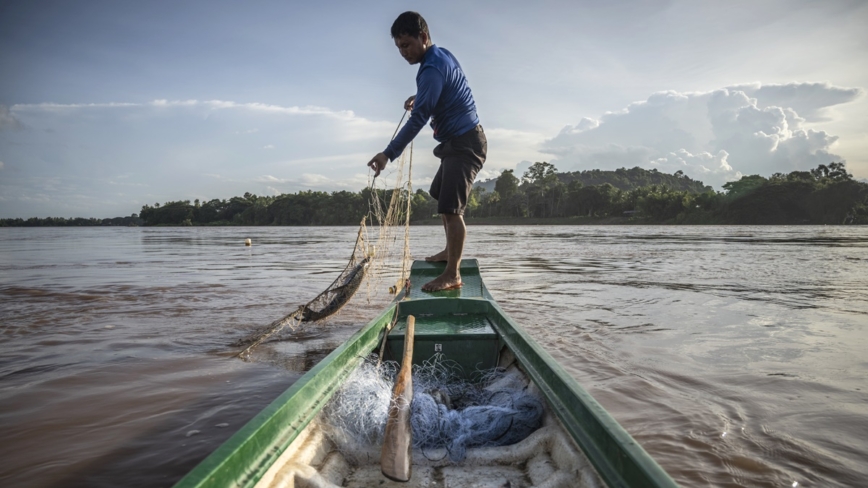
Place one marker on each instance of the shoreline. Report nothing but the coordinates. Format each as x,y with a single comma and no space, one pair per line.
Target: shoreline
482,221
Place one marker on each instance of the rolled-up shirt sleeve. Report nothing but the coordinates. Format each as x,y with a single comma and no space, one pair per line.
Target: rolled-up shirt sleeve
429,85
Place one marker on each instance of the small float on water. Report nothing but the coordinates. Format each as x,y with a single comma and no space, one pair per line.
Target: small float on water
293,442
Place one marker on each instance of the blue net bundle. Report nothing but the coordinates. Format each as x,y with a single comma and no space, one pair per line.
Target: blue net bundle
447,412
504,419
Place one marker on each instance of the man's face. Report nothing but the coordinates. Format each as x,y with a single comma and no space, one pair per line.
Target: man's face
412,48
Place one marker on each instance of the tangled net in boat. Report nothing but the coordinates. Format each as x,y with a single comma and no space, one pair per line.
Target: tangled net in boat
447,412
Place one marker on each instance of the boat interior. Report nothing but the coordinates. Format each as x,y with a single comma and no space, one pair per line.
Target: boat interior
547,458
461,331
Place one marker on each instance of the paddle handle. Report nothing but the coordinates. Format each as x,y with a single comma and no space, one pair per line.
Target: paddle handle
407,364
395,458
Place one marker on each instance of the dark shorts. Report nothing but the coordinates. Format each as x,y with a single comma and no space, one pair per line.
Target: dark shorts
461,158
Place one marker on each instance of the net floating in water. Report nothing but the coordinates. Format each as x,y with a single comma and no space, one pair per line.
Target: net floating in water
367,258
335,297
326,303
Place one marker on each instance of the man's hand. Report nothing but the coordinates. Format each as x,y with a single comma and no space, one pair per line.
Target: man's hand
408,105
378,163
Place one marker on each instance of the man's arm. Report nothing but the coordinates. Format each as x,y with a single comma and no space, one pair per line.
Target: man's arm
427,95
428,92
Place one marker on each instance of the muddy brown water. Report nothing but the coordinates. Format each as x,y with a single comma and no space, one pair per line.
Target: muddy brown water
737,356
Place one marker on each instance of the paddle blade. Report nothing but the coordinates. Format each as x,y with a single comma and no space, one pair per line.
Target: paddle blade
395,458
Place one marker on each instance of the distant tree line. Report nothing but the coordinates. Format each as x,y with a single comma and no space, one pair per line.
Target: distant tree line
302,208
824,195
131,221
622,179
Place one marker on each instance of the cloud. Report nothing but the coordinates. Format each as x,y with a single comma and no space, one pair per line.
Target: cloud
354,127
810,100
315,180
77,156
271,179
705,166
179,149
507,148
7,120
2,165
714,136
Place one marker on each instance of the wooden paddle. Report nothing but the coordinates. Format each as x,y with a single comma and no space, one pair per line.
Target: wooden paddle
395,460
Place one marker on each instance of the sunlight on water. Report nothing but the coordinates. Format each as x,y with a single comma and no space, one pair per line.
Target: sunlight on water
734,355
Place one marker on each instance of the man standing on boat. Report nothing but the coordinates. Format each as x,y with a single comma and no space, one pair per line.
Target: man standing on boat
442,95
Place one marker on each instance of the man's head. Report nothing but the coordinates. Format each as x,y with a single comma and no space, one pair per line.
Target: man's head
410,32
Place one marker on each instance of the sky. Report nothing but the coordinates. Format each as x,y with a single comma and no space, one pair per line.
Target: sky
106,106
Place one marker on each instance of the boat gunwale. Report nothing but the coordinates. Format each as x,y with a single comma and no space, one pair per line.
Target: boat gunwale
241,458
610,462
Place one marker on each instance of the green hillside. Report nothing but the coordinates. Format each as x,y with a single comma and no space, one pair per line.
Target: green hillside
622,179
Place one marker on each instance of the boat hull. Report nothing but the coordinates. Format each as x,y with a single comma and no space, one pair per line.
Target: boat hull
285,445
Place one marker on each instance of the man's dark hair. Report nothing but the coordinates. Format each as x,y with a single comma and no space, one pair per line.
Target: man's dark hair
411,24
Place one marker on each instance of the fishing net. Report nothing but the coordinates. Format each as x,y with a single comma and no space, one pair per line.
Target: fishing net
447,411
372,256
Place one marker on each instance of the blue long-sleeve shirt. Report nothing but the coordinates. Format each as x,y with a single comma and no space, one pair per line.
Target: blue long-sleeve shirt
442,95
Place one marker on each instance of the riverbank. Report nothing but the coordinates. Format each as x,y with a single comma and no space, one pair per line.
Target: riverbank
699,219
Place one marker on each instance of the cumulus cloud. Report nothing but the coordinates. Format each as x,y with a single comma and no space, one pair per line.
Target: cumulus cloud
705,165
713,136
810,100
506,146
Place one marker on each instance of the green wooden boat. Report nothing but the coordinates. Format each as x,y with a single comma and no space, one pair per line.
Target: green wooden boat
579,444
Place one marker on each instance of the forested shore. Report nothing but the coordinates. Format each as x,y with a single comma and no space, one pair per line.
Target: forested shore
827,194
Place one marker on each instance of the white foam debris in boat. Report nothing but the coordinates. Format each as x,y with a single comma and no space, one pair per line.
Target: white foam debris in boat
447,411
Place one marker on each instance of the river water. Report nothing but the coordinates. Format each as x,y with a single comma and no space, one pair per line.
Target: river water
735,355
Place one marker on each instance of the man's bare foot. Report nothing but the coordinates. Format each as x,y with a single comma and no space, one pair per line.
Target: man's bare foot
443,282
437,258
